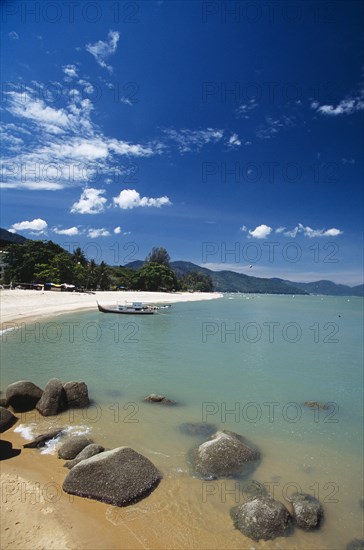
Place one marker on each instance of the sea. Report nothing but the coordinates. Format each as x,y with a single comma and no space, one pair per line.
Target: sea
246,363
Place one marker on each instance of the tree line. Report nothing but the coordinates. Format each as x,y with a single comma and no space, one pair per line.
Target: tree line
40,262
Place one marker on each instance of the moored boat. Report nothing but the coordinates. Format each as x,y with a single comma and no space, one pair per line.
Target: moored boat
134,308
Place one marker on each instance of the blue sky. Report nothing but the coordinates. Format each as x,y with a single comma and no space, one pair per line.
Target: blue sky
228,132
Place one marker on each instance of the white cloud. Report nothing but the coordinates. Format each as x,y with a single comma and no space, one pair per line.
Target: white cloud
70,71
102,50
91,202
243,228
234,141
130,198
37,225
71,231
274,125
309,232
260,232
13,35
95,233
124,148
280,229
117,230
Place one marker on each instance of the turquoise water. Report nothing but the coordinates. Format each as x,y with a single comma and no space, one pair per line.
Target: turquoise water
244,363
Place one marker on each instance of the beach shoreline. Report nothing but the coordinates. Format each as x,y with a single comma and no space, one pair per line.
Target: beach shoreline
30,305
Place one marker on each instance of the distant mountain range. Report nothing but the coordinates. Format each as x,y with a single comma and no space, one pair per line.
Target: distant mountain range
230,281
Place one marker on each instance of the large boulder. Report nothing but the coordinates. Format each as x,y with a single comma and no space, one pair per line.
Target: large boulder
76,394
307,511
118,477
261,518
53,400
162,399
225,455
72,446
23,396
42,439
87,452
7,419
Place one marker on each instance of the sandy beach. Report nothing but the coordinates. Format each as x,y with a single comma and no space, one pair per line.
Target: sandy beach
25,305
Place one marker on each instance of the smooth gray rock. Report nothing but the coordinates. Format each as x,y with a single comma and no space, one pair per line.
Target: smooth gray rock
261,518
7,419
307,511
76,394
23,395
87,452
42,439
72,446
162,399
53,400
118,477
225,454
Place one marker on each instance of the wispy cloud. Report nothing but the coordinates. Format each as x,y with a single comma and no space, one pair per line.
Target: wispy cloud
193,140
13,35
234,141
243,111
309,232
70,71
102,50
351,104
273,126
130,198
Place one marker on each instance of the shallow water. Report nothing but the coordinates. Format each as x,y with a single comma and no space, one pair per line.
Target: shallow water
244,363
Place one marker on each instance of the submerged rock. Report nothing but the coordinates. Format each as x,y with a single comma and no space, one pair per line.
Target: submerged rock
261,518
226,454
76,394
197,428
87,452
316,405
42,439
7,419
118,477
155,398
23,395
53,400
307,511
74,445
355,544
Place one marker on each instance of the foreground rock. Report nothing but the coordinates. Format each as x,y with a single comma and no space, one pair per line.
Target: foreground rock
7,419
118,477
155,398
261,518
76,394
23,396
42,439
53,400
224,455
87,452
74,445
307,511
355,544
197,429
316,405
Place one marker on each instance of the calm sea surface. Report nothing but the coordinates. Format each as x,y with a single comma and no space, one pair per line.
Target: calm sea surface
243,363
